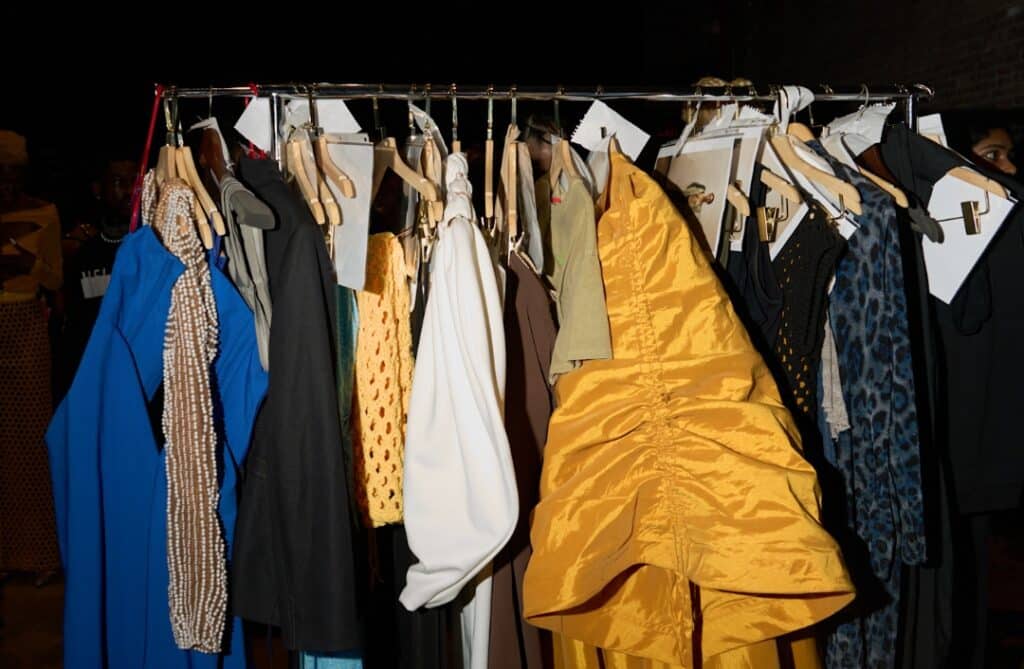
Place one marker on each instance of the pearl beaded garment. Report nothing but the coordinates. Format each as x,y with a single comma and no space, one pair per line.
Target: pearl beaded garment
197,589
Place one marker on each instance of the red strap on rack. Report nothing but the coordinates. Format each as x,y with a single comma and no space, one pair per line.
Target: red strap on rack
144,161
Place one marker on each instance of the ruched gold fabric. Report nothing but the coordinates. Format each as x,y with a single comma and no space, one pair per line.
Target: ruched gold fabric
677,517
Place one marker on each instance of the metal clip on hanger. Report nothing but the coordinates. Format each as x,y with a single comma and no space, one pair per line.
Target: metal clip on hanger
970,215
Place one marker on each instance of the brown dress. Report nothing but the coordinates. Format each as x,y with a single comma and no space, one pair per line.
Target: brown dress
529,341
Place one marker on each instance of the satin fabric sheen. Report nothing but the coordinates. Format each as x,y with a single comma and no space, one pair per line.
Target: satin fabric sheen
677,520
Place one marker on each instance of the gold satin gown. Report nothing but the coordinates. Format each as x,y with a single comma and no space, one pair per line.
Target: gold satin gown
678,523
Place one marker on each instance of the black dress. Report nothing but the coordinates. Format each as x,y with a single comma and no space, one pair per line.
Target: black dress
294,555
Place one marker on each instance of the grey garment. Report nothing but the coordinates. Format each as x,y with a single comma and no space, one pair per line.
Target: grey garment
247,265
832,401
528,207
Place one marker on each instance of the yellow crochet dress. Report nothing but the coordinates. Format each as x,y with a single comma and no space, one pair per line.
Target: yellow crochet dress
383,380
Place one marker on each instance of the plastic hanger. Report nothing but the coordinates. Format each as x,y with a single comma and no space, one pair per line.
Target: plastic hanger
847,194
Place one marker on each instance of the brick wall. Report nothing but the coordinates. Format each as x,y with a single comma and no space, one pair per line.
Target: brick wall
970,51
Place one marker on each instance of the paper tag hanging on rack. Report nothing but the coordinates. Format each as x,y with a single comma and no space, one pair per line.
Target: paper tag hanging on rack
930,126
859,130
588,133
950,263
702,172
333,116
255,123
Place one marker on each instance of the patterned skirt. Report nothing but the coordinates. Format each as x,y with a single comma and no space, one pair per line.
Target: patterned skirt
28,534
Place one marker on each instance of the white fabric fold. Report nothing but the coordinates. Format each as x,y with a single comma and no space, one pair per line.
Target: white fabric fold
461,502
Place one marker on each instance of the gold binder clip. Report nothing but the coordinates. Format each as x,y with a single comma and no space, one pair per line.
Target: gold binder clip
972,220
767,220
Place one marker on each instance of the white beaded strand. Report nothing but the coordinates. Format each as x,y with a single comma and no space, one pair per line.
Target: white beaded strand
196,556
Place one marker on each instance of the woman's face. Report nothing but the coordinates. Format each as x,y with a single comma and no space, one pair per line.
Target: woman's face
996,148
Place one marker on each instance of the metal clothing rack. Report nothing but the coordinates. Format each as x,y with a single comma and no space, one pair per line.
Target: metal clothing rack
909,95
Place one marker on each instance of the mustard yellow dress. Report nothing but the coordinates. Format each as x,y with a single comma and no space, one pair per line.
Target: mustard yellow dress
678,523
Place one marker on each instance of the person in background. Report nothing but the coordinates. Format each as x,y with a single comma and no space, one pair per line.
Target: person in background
986,138
30,274
88,271
995,147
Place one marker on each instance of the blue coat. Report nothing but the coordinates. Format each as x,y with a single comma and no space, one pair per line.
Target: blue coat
107,462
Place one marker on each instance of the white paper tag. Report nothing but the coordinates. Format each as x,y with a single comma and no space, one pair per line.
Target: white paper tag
353,155
862,128
333,116
930,126
588,133
255,124
950,263
702,173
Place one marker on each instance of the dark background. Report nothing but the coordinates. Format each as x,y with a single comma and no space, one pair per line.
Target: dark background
79,83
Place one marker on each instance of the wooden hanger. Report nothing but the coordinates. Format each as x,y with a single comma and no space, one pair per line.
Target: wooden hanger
489,158
780,186
313,171
847,193
512,193
898,196
298,171
800,131
979,180
201,216
331,170
187,170
738,200
456,144
166,165
432,170
561,160
385,157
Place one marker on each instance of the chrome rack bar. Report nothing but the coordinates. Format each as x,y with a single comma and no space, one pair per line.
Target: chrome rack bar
402,92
